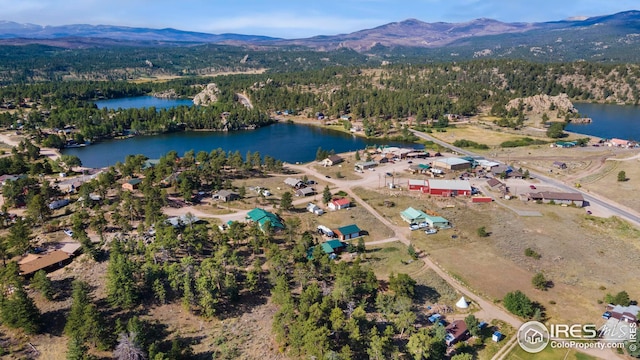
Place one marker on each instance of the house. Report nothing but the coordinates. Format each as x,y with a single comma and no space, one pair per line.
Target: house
559,164
557,197
182,221
497,185
456,332
50,261
619,142
132,184
332,160
57,204
437,222
486,164
345,117
332,246
418,185
449,187
314,209
149,163
624,313
364,165
413,216
337,204
348,232
452,163
307,191
262,216
4,179
508,171
380,159
294,183
226,195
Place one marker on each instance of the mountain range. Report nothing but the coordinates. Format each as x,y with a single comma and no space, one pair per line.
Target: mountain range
477,36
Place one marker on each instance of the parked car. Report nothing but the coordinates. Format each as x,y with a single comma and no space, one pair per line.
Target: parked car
68,232
389,174
409,162
606,315
589,212
430,231
532,187
423,225
414,227
327,176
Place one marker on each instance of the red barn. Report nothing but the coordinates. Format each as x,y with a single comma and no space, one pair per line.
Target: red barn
419,185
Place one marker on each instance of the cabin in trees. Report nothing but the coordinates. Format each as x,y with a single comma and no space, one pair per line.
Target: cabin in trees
262,216
456,331
132,184
226,195
47,262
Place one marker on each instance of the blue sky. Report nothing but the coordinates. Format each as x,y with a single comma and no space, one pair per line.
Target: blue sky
294,18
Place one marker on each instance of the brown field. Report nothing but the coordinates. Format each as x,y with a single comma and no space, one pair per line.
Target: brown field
606,182
478,134
578,251
344,169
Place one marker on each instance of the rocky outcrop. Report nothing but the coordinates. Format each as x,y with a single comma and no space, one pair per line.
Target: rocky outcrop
544,103
581,120
168,94
207,96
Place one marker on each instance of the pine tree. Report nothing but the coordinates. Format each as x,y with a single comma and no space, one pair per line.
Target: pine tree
42,283
326,195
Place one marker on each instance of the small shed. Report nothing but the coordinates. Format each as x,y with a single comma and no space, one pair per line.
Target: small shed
307,191
226,195
497,336
348,232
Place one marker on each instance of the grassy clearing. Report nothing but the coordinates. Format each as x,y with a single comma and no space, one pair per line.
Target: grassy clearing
354,215
606,182
385,259
478,134
489,348
342,171
548,354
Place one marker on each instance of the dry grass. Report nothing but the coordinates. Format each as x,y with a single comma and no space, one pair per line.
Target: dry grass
344,169
607,183
479,134
354,215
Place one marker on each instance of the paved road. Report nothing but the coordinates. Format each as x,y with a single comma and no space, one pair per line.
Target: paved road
615,208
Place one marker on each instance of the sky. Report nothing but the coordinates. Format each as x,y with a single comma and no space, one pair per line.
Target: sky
294,18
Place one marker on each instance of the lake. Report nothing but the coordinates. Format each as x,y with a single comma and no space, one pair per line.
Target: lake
609,121
283,141
142,102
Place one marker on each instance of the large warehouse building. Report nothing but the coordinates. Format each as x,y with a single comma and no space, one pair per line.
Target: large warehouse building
452,163
441,187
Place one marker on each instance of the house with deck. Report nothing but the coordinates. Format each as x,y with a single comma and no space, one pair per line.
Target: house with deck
413,216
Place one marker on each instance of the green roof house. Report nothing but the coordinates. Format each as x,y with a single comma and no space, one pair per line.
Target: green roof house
437,221
413,216
348,232
261,217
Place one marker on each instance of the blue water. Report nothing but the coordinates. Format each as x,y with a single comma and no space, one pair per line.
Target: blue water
286,142
609,121
142,102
